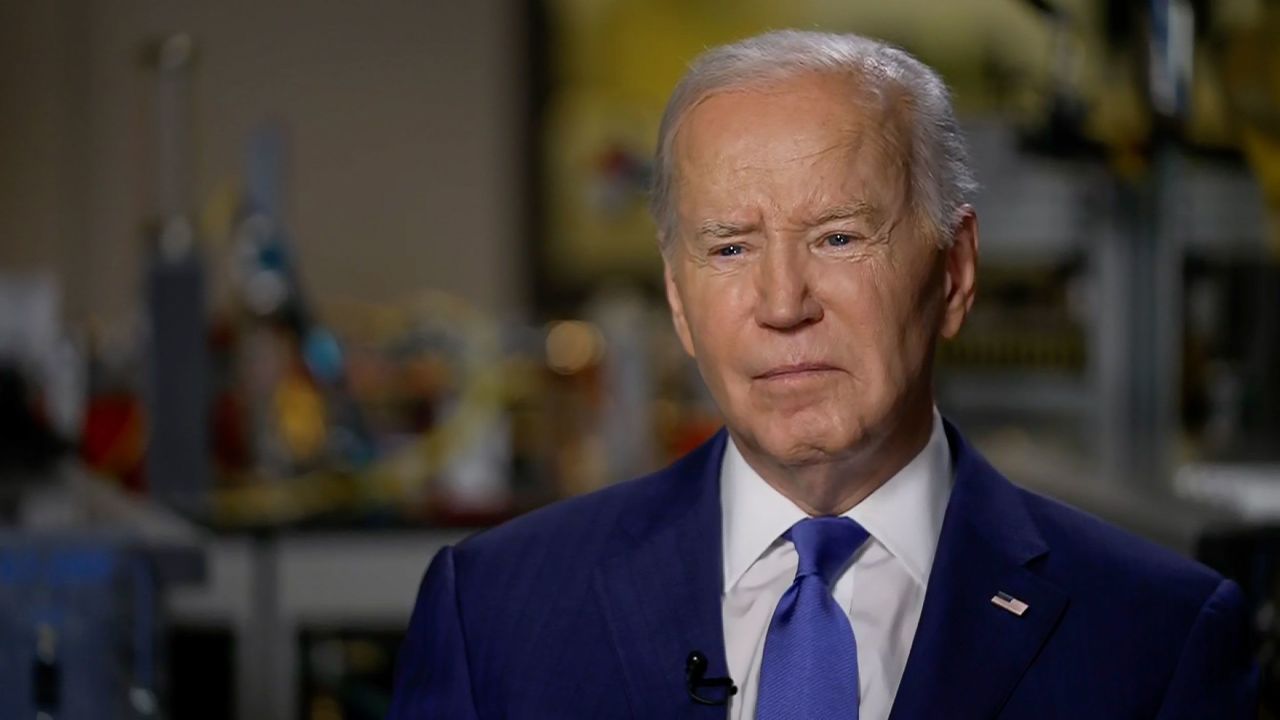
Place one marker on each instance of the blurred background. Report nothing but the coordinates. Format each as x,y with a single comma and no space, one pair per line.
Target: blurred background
293,294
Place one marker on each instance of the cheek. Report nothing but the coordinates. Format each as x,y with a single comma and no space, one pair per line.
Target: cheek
716,322
882,329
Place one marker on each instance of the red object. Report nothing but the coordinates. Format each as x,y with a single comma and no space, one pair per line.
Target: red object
114,441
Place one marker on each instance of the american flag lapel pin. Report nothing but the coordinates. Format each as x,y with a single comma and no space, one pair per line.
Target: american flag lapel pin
1008,602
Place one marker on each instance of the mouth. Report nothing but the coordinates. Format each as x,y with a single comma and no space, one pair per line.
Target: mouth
797,370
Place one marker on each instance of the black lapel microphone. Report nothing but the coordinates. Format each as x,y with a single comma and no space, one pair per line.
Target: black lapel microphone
695,667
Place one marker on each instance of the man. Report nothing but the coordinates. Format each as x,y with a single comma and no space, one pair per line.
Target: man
838,550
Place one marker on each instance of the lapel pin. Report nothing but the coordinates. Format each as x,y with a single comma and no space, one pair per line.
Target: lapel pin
1008,602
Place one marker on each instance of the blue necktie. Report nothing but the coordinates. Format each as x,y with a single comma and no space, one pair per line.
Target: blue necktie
810,665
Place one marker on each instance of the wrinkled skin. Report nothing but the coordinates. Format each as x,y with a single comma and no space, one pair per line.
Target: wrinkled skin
806,288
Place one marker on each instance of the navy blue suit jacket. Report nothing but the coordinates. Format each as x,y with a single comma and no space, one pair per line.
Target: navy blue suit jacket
588,609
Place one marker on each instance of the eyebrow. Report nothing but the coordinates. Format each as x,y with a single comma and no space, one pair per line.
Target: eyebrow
721,229
847,211
844,211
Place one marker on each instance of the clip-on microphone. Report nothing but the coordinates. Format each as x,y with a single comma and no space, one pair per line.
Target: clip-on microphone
695,666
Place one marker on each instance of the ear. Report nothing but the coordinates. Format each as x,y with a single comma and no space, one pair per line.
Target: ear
961,274
677,308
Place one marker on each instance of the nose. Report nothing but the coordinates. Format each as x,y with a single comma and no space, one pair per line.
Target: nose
784,296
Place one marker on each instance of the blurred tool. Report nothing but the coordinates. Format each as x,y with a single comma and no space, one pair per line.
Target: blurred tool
1244,48
626,422
1061,128
41,380
303,415
178,460
27,446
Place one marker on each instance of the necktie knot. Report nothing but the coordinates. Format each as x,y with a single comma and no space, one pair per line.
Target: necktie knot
825,544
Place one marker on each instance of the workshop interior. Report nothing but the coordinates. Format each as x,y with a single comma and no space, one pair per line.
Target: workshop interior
293,295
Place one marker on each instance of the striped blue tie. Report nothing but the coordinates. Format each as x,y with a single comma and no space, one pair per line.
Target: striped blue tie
810,665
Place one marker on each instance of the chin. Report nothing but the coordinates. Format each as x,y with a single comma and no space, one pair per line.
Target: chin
799,444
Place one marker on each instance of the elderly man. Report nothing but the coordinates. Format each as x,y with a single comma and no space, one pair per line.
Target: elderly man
838,551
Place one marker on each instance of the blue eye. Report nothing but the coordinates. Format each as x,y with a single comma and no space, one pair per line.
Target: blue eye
839,239
729,250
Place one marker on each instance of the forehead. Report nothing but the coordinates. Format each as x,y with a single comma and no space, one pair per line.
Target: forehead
808,141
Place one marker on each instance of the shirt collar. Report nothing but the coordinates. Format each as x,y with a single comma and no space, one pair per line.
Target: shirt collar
904,514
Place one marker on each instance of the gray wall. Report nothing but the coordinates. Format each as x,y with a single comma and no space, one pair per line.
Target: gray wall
405,124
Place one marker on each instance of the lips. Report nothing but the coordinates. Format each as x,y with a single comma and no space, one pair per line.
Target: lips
795,369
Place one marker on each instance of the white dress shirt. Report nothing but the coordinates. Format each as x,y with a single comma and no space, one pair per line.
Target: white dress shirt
882,589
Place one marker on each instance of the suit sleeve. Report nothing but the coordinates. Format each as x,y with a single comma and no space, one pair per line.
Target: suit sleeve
1215,676
432,676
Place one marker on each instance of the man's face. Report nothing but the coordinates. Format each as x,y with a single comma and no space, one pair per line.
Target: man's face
799,279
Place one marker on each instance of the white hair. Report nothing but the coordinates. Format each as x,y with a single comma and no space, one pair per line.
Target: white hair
941,181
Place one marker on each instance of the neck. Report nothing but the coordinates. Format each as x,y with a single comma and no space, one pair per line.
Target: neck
833,486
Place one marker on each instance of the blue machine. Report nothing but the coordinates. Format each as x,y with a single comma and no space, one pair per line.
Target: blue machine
78,629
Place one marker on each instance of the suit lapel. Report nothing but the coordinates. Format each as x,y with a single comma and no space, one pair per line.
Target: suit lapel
661,593
969,653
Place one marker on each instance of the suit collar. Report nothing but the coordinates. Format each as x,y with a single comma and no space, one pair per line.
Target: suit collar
970,653
991,504
661,592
